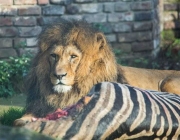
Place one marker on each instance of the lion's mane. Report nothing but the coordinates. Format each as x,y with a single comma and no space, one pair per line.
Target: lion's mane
41,97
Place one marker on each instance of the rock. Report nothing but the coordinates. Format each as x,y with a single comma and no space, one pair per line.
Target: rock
11,133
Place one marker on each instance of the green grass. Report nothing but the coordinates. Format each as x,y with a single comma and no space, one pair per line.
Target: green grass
8,117
17,101
11,108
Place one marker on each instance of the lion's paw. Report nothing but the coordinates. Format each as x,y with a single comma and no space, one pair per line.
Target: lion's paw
24,120
20,122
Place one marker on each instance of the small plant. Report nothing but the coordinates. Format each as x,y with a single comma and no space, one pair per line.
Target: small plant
118,53
155,65
100,27
140,62
12,72
168,36
174,1
171,44
11,115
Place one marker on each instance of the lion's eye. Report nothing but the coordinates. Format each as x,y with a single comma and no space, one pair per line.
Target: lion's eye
73,56
54,56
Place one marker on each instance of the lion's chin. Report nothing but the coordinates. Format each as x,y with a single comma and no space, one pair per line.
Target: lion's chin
62,88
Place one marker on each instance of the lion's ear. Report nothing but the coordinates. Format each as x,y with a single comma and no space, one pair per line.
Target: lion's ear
100,40
43,46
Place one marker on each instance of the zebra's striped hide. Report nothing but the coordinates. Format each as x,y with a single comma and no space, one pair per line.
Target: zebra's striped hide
118,111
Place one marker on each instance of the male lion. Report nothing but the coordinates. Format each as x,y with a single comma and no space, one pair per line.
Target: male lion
72,58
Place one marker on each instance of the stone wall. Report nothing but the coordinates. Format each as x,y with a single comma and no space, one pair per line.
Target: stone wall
130,25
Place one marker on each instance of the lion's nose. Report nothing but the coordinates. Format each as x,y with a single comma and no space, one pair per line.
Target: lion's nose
60,76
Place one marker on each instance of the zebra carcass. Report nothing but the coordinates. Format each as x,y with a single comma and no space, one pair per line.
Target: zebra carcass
117,111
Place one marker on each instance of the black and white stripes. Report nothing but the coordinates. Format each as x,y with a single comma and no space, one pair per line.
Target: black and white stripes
118,111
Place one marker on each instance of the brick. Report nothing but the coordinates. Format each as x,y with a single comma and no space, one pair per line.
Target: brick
61,2
8,32
147,5
124,47
136,36
156,3
104,27
142,26
143,16
84,8
106,0
95,18
142,46
20,42
57,1
111,37
29,10
127,37
6,53
43,2
83,1
109,7
29,31
53,10
116,17
31,42
170,7
32,50
8,11
6,2
6,21
123,27
74,17
90,8
72,9
6,42
121,6
156,31
51,19
107,28
25,21
156,43
144,36
25,2
47,20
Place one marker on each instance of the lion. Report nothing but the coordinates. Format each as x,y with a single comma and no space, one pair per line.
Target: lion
73,56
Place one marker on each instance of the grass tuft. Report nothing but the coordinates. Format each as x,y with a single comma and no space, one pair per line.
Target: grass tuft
9,116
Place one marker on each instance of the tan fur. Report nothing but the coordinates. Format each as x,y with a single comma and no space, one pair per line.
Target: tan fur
94,63
152,79
170,84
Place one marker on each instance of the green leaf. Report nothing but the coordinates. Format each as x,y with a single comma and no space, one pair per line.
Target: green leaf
11,71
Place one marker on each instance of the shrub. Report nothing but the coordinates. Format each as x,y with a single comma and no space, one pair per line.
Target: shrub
12,72
171,44
11,115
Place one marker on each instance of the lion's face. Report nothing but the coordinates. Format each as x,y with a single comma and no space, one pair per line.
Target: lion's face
64,61
72,57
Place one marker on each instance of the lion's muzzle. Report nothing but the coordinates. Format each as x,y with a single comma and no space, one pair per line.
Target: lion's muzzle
60,76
